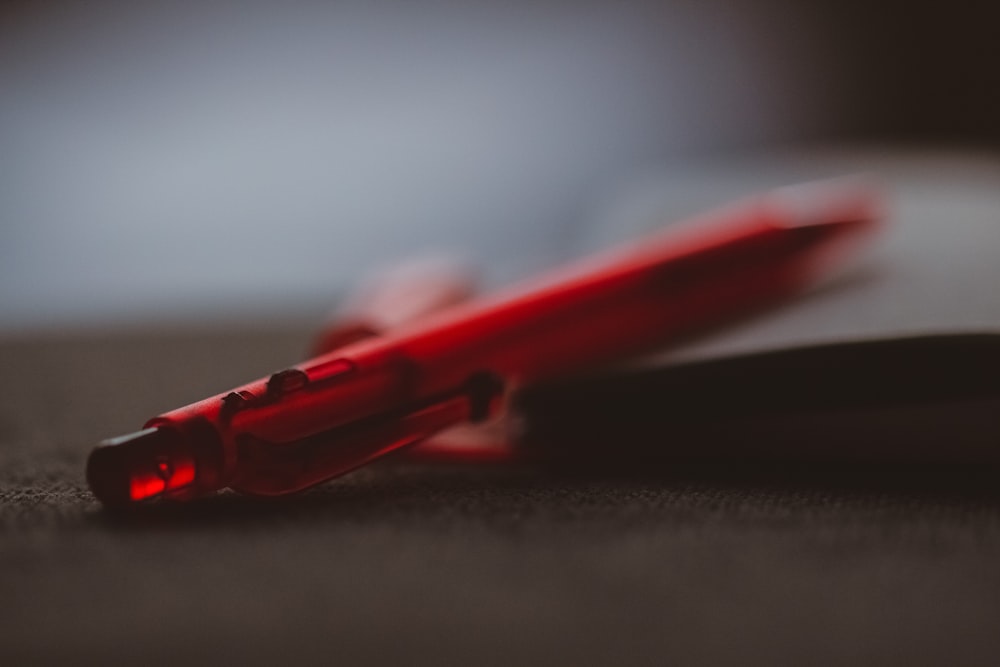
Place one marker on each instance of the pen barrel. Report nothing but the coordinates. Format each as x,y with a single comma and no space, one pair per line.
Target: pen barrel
630,301
641,298
596,311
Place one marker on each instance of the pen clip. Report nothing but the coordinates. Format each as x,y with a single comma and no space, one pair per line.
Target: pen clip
275,468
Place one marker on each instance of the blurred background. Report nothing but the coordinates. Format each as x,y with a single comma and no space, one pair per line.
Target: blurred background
212,161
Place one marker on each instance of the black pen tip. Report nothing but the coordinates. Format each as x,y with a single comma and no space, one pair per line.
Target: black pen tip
140,465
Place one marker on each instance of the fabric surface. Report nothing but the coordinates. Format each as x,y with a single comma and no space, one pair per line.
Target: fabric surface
425,564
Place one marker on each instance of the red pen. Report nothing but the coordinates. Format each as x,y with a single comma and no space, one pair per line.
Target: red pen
335,412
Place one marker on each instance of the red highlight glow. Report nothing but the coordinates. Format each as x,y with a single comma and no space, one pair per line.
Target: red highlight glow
146,486
163,476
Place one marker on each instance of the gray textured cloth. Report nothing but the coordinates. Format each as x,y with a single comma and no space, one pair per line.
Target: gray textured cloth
413,564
